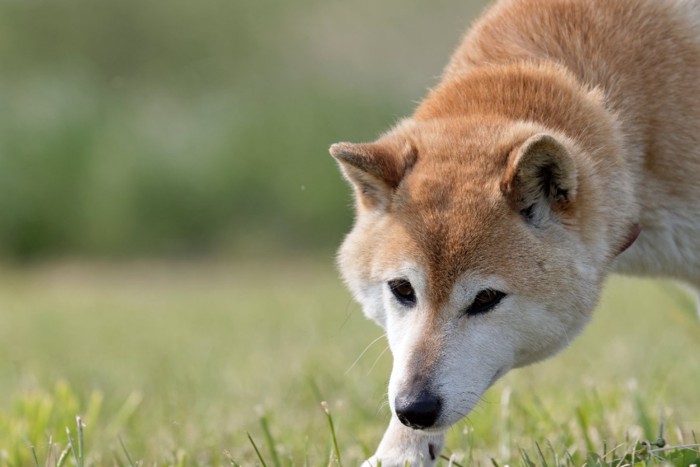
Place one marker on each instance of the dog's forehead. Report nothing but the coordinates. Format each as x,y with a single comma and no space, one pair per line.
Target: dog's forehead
450,204
457,222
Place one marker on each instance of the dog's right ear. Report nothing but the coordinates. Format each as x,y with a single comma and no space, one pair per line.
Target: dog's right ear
540,178
374,169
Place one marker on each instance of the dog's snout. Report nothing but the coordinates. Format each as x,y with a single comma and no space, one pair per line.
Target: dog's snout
418,411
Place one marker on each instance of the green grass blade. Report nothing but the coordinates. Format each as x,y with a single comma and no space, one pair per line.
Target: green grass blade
36,459
125,412
594,459
570,459
62,458
231,461
126,452
257,451
526,459
583,423
660,440
555,456
450,461
270,441
324,406
541,454
79,422
49,450
643,417
72,446
505,443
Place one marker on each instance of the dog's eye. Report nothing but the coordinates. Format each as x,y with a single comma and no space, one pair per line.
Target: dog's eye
485,301
403,291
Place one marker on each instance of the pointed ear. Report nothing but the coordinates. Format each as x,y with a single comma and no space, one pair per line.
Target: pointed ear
374,169
540,178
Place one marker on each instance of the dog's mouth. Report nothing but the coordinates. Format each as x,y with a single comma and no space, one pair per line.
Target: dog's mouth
438,428
444,424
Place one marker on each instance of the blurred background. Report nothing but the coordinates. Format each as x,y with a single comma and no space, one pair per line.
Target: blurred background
169,215
179,128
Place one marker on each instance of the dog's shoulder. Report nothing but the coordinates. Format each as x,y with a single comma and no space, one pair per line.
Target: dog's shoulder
589,37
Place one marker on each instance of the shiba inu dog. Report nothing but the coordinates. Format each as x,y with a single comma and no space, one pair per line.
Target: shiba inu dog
562,144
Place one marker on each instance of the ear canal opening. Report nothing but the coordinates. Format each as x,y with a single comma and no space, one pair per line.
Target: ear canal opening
528,213
553,181
540,179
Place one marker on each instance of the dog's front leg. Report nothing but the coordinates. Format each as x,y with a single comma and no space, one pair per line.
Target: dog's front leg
403,446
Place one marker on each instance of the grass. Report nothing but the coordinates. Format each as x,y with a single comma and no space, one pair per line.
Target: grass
226,364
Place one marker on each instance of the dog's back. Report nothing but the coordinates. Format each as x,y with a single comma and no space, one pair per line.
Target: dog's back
644,55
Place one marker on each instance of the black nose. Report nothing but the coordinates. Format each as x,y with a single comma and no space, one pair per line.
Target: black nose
418,411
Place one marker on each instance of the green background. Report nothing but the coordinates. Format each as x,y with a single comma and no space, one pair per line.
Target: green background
181,128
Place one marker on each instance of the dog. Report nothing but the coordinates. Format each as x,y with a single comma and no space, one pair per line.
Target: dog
561,144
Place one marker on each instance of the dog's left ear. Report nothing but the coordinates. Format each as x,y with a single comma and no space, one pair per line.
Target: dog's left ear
540,178
374,169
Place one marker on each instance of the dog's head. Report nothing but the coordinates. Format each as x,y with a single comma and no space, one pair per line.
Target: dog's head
476,247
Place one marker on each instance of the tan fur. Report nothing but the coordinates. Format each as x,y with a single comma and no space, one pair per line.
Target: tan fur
588,110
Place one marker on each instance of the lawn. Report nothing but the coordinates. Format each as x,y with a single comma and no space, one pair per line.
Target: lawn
175,363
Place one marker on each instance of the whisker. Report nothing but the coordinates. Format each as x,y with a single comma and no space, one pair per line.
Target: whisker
383,405
377,360
350,308
473,401
460,413
364,352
